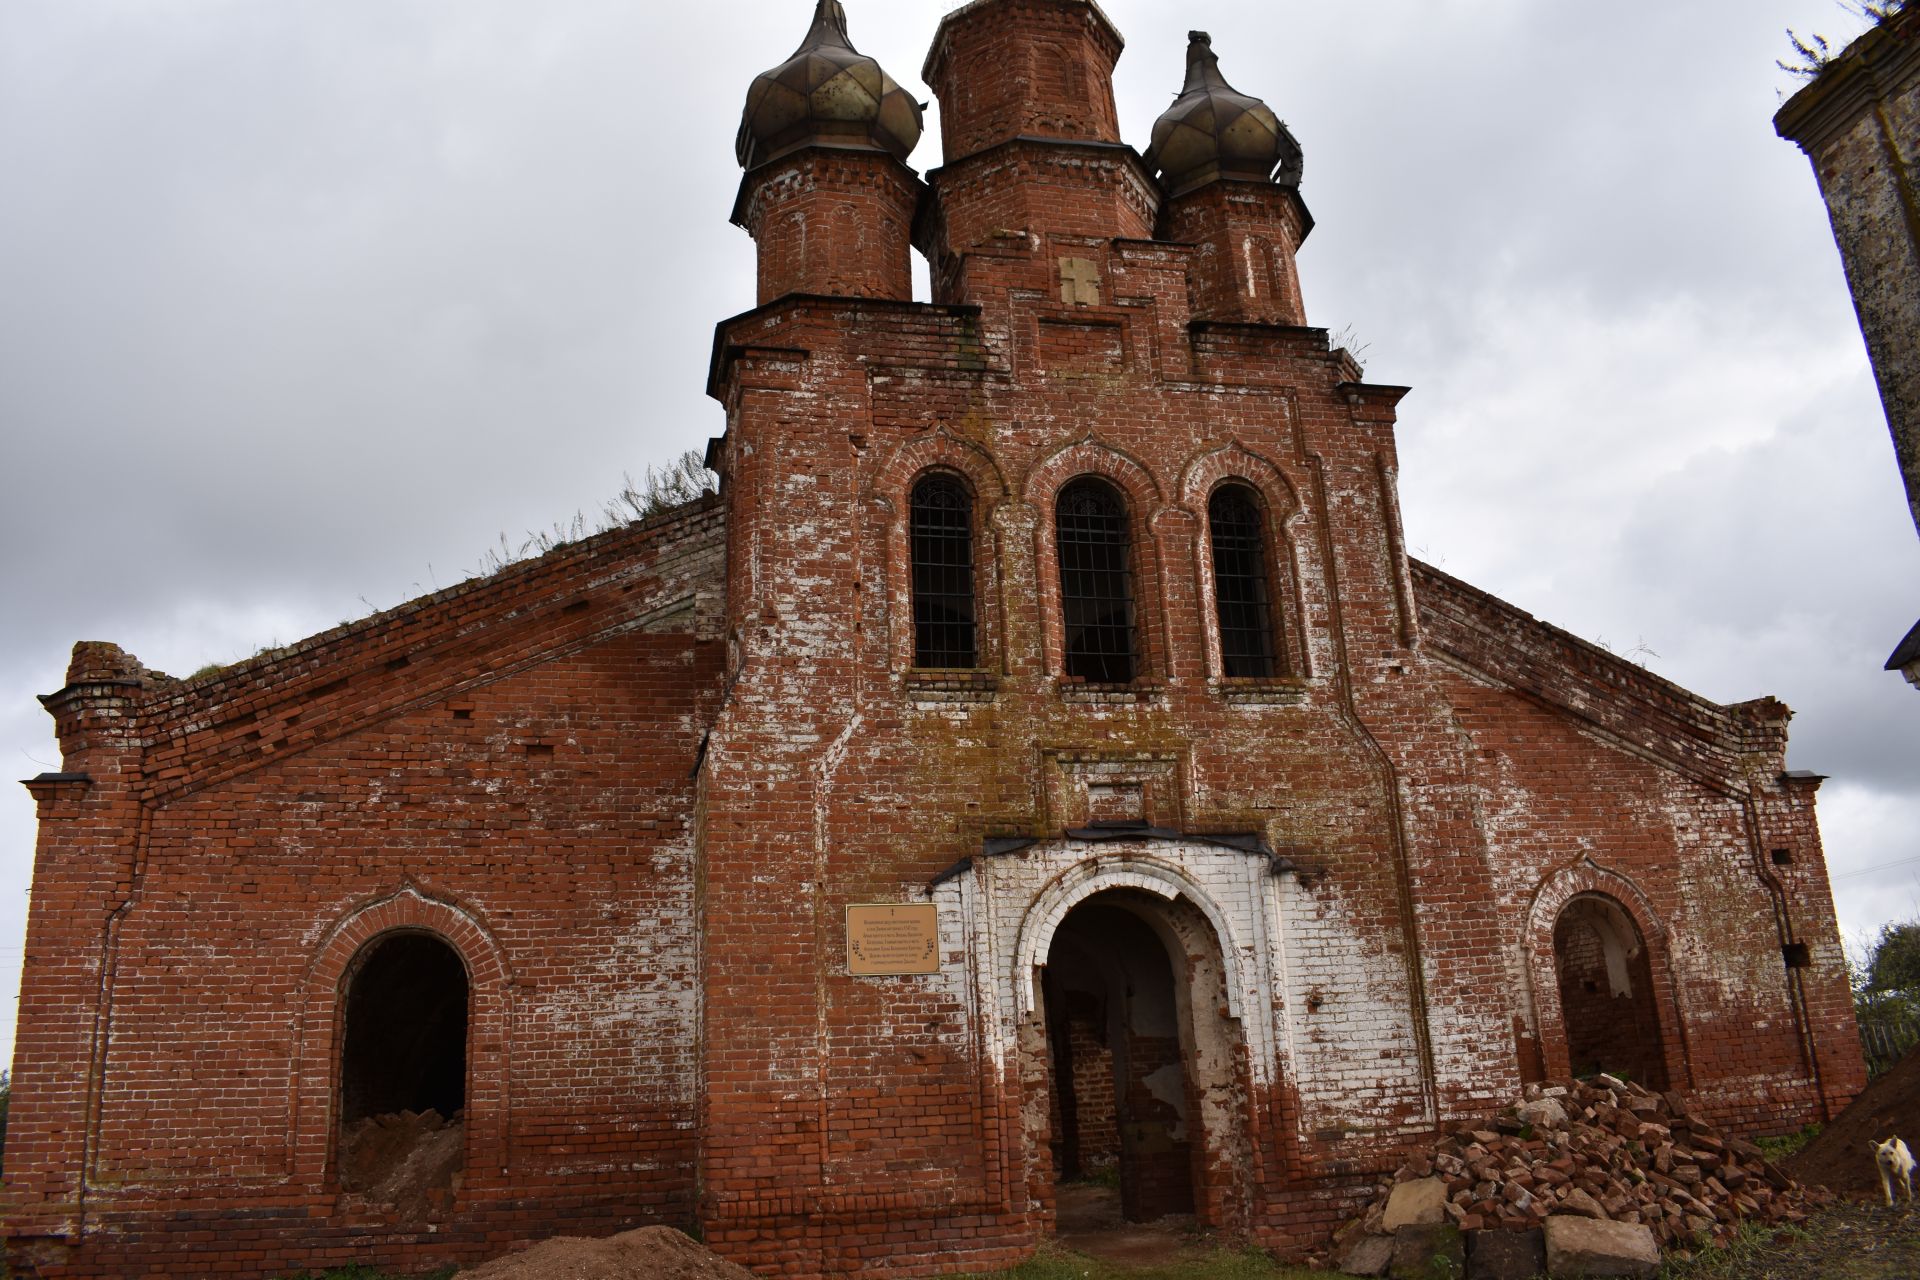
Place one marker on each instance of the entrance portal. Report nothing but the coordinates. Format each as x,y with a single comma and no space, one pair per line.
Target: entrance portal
1124,1108
1606,992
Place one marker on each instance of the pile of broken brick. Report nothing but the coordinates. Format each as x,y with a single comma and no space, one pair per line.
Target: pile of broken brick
1590,1177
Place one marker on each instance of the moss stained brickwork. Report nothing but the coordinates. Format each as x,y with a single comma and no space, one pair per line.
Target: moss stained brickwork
635,785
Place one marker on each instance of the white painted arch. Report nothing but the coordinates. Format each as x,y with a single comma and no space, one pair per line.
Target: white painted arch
1100,875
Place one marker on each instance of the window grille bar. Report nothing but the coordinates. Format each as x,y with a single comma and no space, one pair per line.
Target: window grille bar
942,554
1096,583
1243,605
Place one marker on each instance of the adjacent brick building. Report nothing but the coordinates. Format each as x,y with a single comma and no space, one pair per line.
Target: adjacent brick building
1070,608
1858,120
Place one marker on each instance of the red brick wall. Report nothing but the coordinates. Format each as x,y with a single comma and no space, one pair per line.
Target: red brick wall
1433,764
533,809
832,221
637,784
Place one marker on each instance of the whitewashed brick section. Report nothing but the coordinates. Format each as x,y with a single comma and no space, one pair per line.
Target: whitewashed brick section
1321,1009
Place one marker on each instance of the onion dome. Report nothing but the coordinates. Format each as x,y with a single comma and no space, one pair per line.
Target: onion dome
1212,130
826,93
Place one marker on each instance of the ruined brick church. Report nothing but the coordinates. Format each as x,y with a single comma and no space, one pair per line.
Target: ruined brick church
1041,761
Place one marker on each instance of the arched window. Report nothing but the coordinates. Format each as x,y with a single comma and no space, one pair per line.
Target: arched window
1607,999
943,618
403,1073
1096,582
1242,603
405,1046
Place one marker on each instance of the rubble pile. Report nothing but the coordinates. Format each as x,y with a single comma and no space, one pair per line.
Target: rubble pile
405,1161
1601,1149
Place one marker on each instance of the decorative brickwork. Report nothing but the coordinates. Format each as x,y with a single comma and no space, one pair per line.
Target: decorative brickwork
636,784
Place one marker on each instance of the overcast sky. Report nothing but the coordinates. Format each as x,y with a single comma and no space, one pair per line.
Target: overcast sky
303,303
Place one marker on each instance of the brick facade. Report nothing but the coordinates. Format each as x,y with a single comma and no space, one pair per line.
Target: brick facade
1858,120
634,785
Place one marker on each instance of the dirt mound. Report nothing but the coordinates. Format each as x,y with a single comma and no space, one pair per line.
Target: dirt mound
407,1160
1838,1159
651,1253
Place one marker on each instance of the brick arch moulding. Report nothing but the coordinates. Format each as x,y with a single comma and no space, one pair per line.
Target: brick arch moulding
1234,463
489,1025
1146,508
889,498
1589,878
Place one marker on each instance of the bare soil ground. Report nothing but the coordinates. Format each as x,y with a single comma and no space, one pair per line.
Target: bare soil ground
1838,1159
1850,1240
650,1253
1088,1222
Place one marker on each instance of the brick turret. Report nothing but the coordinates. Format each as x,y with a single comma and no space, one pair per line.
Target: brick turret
827,195
1032,141
1231,171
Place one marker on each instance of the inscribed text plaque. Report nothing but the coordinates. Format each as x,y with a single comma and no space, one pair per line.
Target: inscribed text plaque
893,938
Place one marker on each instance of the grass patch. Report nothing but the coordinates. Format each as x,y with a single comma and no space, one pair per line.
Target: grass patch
1053,1263
1778,1149
1745,1255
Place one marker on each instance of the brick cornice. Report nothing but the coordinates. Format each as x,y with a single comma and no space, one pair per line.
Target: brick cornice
1108,35
1881,63
1505,644
760,330
199,732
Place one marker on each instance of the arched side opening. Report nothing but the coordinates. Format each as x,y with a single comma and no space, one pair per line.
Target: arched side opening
1144,1104
403,1073
1605,980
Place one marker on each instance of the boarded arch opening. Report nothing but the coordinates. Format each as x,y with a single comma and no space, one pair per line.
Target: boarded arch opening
1144,1095
1606,992
403,1073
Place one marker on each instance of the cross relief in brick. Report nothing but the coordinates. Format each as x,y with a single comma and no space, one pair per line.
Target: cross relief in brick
1079,282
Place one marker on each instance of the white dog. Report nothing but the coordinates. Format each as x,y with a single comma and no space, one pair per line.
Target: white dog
1894,1161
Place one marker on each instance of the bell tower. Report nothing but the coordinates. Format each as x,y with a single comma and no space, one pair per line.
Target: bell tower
1032,141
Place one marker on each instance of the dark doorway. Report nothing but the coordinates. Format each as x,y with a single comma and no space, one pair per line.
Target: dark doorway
1122,1102
403,1076
405,1047
1606,993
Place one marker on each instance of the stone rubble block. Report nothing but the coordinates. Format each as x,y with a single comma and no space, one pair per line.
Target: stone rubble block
1506,1255
1428,1252
1584,1247
1367,1256
1418,1202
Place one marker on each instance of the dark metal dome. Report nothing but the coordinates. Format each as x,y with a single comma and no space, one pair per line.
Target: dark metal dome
1212,130
827,92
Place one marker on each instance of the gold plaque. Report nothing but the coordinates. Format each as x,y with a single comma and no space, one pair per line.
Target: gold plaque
890,938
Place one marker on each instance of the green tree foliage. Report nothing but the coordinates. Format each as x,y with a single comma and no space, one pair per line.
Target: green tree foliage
1893,965
1886,995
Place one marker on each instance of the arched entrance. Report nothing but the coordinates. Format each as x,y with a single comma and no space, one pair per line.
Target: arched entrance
1605,979
403,1072
1144,1096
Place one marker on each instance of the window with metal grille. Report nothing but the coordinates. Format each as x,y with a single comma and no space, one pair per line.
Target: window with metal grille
1096,582
942,525
1244,607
